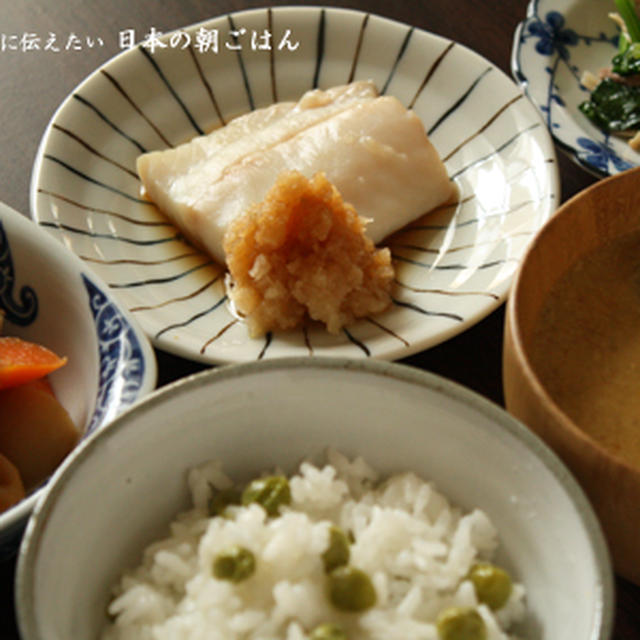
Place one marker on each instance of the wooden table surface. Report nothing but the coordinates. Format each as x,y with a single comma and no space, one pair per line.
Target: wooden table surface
76,36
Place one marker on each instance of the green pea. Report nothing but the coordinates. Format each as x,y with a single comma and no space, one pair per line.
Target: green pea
492,584
234,564
351,589
337,553
461,623
328,631
221,499
271,492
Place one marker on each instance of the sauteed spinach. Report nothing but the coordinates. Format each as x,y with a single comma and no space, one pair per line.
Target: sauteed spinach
614,104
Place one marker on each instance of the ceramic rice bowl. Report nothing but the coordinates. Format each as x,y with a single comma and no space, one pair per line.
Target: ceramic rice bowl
254,417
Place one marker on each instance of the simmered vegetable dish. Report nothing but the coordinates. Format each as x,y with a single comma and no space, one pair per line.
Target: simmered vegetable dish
36,431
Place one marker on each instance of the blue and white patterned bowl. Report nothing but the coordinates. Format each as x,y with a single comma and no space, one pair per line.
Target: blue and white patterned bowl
557,42
49,296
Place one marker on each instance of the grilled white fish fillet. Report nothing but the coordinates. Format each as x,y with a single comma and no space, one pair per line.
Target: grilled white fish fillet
370,147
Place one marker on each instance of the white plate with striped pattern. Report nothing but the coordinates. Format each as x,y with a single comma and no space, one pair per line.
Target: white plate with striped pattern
453,267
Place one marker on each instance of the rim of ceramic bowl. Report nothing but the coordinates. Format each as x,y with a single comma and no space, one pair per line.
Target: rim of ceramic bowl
15,516
567,209
397,371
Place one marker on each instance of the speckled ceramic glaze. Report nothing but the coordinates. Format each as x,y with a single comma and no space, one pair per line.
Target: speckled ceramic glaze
49,296
454,266
557,42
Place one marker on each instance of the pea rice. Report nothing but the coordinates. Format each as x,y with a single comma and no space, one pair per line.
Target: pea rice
416,547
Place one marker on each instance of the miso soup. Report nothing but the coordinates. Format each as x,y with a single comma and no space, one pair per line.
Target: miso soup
586,346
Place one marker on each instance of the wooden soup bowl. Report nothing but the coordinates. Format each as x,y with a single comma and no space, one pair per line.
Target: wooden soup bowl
588,220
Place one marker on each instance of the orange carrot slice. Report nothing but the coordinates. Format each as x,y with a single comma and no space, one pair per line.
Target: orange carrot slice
22,361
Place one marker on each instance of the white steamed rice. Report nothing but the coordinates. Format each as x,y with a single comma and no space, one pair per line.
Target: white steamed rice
415,545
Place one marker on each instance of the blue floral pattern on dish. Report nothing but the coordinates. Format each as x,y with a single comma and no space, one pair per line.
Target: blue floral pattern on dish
552,36
124,362
25,310
548,61
120,353
600,155
121,356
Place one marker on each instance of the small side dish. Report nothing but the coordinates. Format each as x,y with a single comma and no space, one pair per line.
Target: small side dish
36,431
614,103
333,552
451,271
355,145
104,362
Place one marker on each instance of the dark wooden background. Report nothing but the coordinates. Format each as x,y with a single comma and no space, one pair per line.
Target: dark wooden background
34,82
